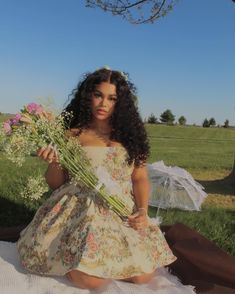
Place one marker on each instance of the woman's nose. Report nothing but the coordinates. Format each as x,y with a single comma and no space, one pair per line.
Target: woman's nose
103,102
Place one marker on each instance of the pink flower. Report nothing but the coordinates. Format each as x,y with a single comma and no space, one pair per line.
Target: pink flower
7,127
17,117
15,120
34,108
56,208
90,237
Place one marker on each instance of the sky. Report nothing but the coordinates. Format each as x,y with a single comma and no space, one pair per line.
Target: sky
183,62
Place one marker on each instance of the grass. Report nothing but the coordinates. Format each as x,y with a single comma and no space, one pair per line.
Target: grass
208,154
193,148
217,224
4,117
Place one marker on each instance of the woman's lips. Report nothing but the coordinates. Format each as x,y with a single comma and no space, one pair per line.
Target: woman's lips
101,111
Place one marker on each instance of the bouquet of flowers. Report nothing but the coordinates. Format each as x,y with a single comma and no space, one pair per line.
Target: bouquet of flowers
33,128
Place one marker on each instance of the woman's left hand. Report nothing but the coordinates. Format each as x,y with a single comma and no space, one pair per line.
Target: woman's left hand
139,220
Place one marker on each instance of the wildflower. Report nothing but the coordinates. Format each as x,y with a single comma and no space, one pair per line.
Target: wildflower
35,188
34,128
34,108
16,119
26,118
7,127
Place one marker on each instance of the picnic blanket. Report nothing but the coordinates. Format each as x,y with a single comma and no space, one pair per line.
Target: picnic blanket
200,263
15,280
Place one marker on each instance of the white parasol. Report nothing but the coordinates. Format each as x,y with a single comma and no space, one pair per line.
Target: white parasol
174,187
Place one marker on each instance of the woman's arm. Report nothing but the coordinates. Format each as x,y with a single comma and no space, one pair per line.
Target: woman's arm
55,175
141,190
141,186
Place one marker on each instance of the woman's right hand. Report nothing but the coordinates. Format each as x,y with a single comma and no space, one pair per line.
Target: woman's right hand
48,154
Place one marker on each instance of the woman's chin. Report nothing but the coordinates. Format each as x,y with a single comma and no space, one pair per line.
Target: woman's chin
101,117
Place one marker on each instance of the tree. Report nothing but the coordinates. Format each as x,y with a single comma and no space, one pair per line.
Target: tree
212,122
205,123
136,12
182,120
152,119
167,117
226,123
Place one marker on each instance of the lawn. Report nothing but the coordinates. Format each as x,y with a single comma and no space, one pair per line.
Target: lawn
207,153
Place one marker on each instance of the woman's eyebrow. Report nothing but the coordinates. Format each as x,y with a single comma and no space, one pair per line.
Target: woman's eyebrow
103,93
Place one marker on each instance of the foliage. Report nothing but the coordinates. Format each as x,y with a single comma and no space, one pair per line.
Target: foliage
205,123
167,117
226,123
212,121
182,120
152,119
136,12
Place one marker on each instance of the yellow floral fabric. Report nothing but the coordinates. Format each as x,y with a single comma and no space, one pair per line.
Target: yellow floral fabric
73,229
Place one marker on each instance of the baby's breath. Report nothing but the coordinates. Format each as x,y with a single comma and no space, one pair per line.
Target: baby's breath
36,186
32,129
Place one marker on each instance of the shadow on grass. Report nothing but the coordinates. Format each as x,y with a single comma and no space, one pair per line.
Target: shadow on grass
225,186
14,217
12,213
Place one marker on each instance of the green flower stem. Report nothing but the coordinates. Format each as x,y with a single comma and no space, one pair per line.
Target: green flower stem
80,166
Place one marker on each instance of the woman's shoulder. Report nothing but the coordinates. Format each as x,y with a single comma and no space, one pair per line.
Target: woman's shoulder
83,135
74,132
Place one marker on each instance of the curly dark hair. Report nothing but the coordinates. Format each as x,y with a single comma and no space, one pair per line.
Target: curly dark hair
126,124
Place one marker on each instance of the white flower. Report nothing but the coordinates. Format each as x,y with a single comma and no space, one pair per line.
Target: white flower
36,186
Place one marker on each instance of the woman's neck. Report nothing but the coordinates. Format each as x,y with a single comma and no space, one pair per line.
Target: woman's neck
101,127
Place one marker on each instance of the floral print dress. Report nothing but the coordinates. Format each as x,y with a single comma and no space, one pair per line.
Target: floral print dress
73,229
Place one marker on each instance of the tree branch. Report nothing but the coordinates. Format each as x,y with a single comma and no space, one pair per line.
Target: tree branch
136,12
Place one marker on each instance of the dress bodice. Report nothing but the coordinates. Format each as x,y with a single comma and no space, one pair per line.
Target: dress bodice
113,158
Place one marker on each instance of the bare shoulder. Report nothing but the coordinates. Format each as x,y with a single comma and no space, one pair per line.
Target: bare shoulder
74,132
84,136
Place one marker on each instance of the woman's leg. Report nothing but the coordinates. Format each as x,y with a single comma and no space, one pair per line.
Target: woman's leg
85,281
142,279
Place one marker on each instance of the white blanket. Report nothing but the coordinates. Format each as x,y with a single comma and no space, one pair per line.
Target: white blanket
15,280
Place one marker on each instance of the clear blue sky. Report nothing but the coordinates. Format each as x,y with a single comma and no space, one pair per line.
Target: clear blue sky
184,62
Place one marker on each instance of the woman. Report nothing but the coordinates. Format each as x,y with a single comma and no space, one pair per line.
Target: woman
73,233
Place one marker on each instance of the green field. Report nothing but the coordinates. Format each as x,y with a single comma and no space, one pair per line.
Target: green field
207,153
193,148
4,117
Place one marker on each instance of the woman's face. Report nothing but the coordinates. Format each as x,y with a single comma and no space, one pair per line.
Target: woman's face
103,98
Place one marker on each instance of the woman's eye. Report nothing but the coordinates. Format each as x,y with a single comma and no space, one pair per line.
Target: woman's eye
97,94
